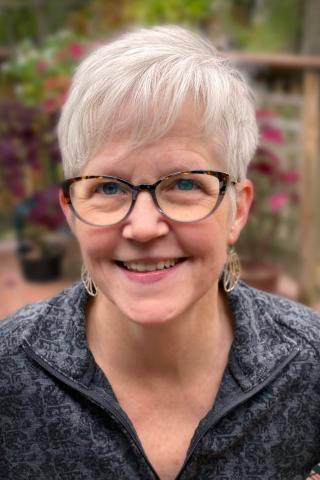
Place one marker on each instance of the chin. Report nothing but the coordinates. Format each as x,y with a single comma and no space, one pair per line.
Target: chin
151,315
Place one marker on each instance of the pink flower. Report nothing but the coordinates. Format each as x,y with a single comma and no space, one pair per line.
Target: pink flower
50,105
76,50
292,176
272,135
42,66
263,167
277,201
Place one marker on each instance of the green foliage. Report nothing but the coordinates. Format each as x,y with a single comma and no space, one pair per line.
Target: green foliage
267,25
33,19
16,24
273,26
189,12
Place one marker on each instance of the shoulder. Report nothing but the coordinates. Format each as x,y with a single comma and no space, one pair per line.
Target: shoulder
34,317
294,320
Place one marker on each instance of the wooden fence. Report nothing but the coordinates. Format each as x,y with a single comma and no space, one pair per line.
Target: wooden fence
305,70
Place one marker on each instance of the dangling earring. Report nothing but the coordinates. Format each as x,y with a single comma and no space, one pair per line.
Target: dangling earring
231,272
87,281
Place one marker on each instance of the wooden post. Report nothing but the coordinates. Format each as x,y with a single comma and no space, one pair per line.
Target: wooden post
310,198
309,228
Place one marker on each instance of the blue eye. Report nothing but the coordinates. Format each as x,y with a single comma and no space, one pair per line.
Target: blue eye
111,188
185,184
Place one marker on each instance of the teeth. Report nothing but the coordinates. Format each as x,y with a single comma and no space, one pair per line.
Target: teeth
150,267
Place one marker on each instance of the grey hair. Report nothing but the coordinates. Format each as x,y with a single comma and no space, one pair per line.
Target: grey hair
136,86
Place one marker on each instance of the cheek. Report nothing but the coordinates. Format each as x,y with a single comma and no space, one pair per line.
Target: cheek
96,243
208,239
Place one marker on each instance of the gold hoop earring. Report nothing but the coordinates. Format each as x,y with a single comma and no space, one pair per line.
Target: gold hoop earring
87,281
231,272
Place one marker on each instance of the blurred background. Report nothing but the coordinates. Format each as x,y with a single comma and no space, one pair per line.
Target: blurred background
275,43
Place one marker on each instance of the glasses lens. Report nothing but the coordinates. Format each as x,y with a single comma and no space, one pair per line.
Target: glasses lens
188,197
100,201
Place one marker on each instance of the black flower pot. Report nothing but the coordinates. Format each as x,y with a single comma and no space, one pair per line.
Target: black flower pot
42,269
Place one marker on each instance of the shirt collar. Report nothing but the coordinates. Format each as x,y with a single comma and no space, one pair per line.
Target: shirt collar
58,334
260,345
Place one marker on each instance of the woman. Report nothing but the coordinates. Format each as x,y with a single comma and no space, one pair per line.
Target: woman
160,364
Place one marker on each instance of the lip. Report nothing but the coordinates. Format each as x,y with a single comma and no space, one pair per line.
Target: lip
150,277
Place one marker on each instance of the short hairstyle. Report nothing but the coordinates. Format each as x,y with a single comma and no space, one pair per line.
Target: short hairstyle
137,84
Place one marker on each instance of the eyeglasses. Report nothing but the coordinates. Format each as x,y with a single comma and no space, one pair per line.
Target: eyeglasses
181,196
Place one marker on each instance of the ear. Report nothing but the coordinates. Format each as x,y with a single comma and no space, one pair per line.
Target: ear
67,212
243,204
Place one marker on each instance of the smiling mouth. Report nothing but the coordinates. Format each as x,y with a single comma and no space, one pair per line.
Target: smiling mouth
142,267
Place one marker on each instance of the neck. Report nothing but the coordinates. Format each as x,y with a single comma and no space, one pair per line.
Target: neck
198,341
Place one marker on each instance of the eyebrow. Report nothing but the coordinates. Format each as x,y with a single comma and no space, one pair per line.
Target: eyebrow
169,164
162,172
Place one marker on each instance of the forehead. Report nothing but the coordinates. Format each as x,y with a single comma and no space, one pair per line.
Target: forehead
183,147
175,152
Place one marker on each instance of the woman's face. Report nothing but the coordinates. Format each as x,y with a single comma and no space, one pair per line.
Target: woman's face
146,238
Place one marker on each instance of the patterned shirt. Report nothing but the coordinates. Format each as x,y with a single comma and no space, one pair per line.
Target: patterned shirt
60,419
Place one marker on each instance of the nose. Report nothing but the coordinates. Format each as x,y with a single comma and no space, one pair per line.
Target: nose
145,222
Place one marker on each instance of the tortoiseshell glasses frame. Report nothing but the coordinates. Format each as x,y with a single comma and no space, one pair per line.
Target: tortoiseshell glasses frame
223,179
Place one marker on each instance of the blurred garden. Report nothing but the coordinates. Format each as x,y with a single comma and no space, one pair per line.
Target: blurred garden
275,44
